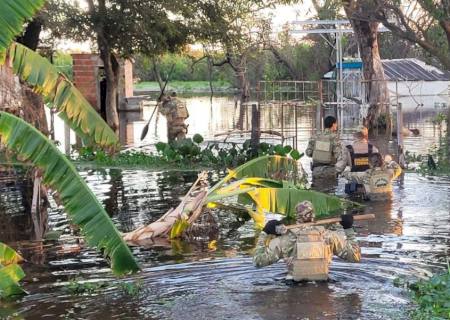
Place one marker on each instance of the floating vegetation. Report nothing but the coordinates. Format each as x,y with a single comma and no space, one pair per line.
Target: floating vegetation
188,152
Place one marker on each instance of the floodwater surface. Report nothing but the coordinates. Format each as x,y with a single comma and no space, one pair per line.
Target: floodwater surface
408,239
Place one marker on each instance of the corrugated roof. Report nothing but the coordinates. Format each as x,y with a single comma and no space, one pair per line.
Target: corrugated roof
413,70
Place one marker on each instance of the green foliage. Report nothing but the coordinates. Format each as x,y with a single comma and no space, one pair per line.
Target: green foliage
63,62
13,14
187,152
184,70
78,287
439,118
80,203
125,27
284,200
186,86
132,289
440,155
10,272
8,255
432,297
9,280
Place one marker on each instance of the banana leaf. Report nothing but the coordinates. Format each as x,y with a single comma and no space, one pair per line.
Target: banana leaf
9,280
8,255
62,95
13,14
272,167
60,174
284,200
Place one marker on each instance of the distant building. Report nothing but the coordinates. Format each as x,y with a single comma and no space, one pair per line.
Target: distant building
410,81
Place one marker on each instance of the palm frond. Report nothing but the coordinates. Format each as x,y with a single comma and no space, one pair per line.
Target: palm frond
60,174
13,14
272,167
284,200
62,95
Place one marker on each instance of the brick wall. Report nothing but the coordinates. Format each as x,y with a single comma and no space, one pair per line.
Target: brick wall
85,74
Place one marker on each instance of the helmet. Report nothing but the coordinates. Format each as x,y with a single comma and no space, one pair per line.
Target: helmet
305,212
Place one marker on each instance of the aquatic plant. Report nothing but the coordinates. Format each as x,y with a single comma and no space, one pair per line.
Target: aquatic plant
186,153
80,203
432,297
10,272
77,286
133,288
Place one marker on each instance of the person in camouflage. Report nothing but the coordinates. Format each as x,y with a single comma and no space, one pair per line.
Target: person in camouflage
328,155
176,113
306,260
377,180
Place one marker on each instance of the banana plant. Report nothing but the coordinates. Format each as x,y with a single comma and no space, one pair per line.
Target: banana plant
80,203
10,272
13,14
274,188
61,95
271,166
45,79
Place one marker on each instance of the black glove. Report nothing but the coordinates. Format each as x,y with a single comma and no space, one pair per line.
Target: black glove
346,221
270,227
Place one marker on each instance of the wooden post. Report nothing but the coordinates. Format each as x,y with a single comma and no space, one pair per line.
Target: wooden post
318,117
399,125
295,145
256,130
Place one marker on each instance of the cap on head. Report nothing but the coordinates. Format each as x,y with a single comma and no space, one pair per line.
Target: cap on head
305,212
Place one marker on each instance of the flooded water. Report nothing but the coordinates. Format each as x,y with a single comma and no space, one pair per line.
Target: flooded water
408,239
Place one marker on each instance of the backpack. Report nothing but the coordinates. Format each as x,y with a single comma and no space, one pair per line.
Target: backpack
312,256
323,150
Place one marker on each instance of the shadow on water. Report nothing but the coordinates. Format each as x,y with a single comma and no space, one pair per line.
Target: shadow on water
409,238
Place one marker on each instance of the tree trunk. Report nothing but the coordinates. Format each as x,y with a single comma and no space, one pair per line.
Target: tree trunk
244,91
109,62
376,88
111,75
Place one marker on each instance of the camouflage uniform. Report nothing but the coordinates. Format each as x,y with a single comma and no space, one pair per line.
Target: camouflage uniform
391,171
341,243
176,113
326,173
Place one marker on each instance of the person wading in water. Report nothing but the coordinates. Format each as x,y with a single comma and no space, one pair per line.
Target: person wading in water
307,250
327,156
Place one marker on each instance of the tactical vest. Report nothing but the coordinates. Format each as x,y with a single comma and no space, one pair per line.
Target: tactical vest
312,256
379,182
323,150
360,161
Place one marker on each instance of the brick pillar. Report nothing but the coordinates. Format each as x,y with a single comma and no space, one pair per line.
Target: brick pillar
85,76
